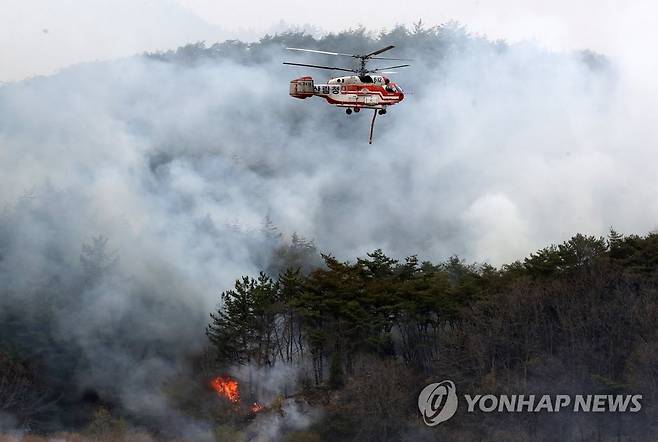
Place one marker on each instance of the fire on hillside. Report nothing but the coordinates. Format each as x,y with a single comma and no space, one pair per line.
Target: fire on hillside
229,388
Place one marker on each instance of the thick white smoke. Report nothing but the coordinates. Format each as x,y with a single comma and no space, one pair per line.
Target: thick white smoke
497,151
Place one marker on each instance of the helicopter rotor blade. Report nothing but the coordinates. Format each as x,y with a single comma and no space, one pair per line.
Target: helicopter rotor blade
390,67
395,59
318,66
379,51
320,52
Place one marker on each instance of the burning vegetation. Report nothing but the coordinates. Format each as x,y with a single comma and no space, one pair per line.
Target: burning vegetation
229,388
226,387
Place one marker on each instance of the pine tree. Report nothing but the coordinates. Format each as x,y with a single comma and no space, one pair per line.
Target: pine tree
232,328
242,330
291,285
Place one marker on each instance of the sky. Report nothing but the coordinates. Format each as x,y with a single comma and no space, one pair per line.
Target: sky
42,36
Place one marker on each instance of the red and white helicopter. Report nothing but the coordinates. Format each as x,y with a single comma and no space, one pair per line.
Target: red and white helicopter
354,92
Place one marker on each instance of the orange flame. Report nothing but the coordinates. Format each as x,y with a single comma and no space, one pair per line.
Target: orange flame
226,387
256,407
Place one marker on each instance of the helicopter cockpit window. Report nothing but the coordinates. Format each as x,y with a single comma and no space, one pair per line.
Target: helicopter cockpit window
365,79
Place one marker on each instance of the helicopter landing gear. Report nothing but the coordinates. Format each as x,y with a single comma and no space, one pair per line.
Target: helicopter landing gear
357,109
382,111
348,111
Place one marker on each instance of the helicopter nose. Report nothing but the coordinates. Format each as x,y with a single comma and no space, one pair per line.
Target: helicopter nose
401,96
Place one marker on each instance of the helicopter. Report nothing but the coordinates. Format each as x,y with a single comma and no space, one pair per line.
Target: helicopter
364,89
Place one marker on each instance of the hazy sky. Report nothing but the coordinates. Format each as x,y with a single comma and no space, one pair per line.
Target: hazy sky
40,36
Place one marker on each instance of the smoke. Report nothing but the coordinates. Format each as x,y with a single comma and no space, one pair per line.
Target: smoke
267,384
272,425
497,151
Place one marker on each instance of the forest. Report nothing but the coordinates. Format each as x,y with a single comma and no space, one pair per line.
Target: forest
363,337
578,316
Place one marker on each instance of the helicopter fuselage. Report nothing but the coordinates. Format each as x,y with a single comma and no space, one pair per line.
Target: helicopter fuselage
354,91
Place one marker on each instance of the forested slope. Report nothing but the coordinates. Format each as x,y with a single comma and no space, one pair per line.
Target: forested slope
573,318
